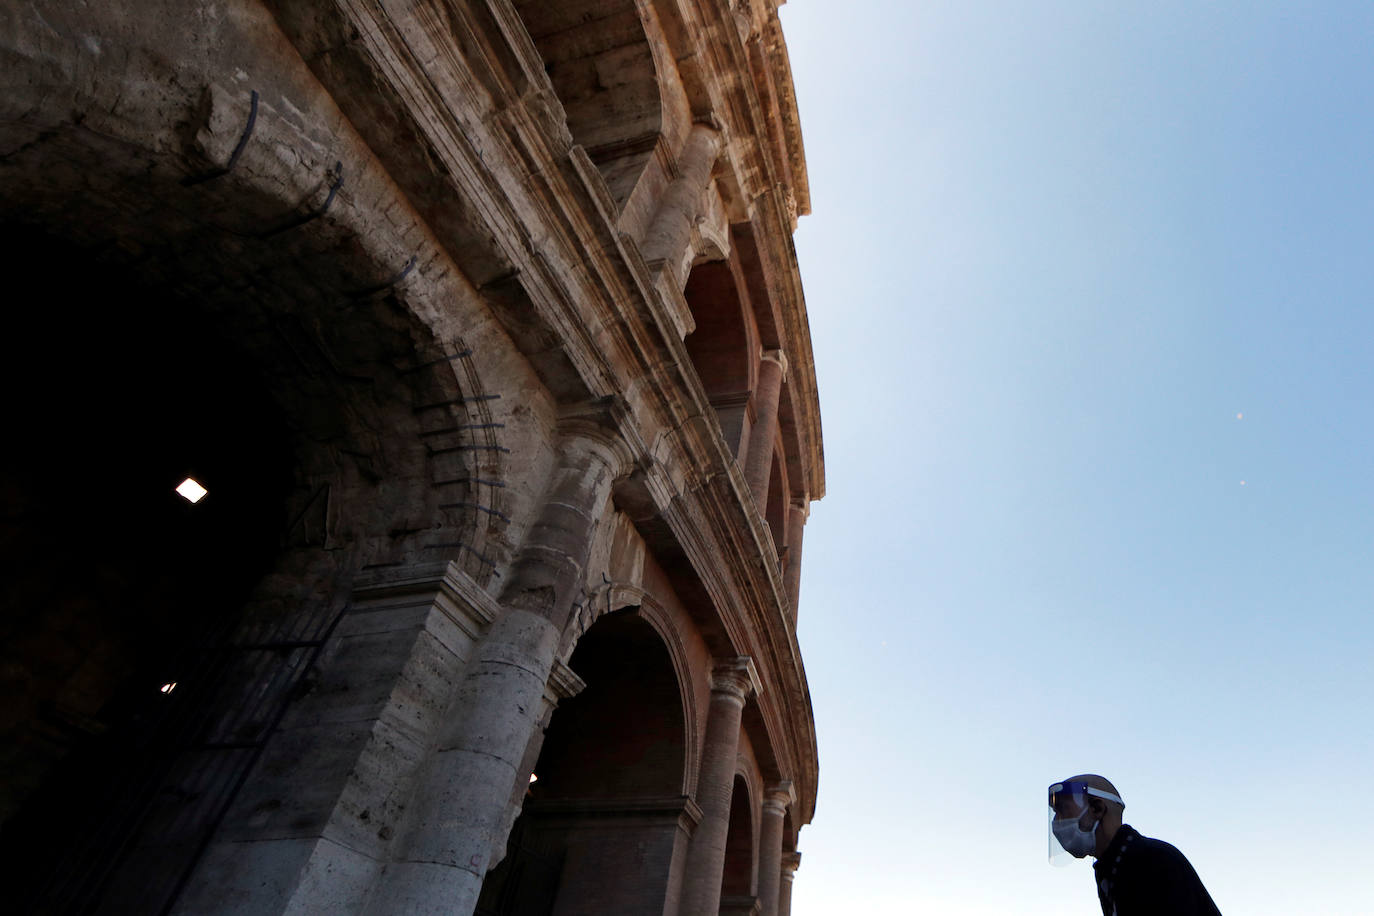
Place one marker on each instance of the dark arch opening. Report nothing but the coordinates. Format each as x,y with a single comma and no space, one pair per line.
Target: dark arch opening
114,395
603,827
724,346
623,735
737,881
775,512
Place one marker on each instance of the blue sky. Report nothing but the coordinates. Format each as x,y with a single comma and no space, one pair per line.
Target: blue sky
1090,293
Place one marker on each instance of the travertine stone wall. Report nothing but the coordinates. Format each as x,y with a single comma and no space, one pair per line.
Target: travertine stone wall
513,281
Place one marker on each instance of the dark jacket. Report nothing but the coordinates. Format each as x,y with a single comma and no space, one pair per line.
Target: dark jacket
1138,876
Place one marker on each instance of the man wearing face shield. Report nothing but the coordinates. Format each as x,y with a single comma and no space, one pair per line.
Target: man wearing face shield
1136,875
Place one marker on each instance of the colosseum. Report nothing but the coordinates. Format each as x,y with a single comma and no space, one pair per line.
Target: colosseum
413,424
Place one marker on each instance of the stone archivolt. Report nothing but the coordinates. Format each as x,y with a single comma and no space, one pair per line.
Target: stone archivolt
481,324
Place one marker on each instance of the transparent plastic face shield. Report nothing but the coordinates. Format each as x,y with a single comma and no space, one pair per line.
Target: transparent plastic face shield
1072,825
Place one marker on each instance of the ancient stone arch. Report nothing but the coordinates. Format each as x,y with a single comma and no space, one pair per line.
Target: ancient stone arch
378,425
724,344
635,600
739,884
417,289
607,803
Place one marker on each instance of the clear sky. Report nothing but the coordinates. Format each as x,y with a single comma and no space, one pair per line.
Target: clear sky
1091,291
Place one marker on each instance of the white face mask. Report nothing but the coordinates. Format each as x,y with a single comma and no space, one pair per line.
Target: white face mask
1075,840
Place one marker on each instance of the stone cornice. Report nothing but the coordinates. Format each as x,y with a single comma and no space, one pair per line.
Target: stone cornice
781,65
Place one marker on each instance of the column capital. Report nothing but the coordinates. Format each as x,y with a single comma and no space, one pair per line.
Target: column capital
791,861
563,683
775,356
736,677
778,796
594,429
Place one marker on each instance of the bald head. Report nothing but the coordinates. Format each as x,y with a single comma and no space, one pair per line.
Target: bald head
1093,781
1106,814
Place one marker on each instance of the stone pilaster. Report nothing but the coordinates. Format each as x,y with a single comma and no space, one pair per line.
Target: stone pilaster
797,512
548,572
790,862
775,802
732,682
758,462
309,831
669,238
462,810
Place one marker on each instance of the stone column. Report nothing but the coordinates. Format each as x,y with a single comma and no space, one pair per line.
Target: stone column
758,462
732,681
797,512
548,573
775,802
669,237
790,861
462,810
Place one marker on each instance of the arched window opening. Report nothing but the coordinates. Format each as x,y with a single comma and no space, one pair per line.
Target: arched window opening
776,511
603,824
724,347
738,888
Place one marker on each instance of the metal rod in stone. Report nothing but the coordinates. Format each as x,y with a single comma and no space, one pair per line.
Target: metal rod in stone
461,354
192,180
487,509
313,214
449,449
388,284
463,428
480,480
453,401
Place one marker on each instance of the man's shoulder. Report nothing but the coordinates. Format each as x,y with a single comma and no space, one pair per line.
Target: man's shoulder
1157,878
1149,849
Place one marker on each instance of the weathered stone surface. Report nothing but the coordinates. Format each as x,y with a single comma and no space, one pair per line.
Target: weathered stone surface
480,323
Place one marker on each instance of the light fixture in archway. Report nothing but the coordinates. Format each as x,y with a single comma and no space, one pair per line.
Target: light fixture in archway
191,490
